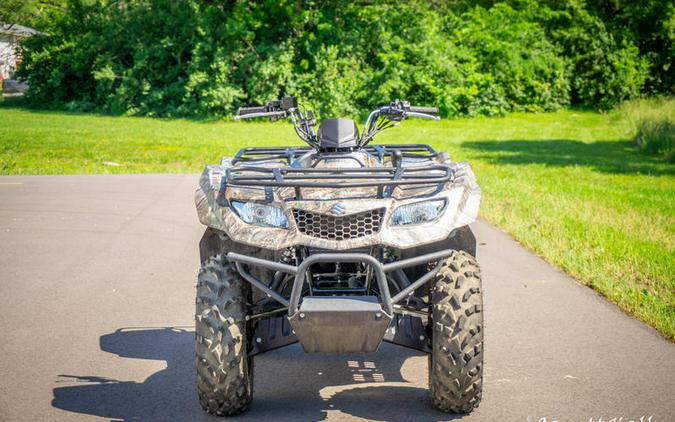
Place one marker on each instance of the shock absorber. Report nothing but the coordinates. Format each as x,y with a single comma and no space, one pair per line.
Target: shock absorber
287,257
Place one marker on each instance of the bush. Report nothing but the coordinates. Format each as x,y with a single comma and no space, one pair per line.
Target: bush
653,121
604,72
195,58
526,69
650,25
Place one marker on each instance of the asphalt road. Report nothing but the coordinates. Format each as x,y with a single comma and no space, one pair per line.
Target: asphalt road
97,278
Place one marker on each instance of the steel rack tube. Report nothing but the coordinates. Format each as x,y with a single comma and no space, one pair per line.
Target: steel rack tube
300,271
271,265
260,285
340,257
422,259
417,284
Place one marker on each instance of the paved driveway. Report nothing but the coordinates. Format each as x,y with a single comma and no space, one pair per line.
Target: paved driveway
97,278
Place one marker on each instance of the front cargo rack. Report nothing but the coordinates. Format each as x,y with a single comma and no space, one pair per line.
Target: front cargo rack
251,173
290,154
384,178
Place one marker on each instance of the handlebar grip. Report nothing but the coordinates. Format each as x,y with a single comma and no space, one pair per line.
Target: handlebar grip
426,110
250,110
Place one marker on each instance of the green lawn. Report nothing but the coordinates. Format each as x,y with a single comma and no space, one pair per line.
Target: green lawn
568,185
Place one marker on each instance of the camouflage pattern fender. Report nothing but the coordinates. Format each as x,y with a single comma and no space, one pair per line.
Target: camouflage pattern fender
462,197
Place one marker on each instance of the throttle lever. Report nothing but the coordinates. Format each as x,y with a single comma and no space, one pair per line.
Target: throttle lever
422,115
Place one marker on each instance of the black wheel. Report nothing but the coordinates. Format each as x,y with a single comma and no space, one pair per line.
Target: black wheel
456,362
224,370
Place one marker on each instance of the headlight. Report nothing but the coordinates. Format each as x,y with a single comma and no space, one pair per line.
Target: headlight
262,215
417,213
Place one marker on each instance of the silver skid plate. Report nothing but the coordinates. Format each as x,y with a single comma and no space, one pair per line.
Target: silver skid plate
341,324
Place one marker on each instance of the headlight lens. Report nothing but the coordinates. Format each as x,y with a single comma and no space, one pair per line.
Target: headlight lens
261,215
417,213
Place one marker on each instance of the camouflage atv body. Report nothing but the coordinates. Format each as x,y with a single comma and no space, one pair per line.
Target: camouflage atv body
339,246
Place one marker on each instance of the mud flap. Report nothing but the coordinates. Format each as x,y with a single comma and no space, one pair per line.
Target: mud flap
341,324
408,331
272,333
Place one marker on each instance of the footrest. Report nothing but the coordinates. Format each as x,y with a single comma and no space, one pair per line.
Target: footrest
342,324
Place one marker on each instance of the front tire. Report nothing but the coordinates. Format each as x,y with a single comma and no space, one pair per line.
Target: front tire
224,370
456,362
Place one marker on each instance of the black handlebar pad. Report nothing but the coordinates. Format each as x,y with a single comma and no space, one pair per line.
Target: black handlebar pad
426,110
250,110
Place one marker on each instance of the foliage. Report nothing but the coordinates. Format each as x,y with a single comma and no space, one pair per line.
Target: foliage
33,13
196,58
525,67
604,71
650,25
653,121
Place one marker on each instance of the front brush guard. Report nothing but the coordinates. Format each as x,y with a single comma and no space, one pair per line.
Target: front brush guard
344,324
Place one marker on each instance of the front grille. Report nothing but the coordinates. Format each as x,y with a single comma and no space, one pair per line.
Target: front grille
338,228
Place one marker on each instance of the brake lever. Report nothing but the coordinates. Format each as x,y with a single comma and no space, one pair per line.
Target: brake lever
421,115
273,114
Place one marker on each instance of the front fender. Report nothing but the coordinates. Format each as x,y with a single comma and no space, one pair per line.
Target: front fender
463,196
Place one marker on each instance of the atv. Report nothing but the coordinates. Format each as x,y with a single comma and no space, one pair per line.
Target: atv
338,245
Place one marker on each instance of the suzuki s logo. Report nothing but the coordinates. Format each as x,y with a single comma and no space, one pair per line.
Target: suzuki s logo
338,209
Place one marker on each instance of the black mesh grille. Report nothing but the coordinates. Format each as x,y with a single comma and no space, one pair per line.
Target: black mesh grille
338,228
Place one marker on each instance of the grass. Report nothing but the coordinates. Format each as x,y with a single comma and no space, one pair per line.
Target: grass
654,123
568,185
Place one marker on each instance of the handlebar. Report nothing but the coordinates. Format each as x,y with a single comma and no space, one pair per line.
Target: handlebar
393,114
303,119
255,114
251,110
399,110
424,110
304,122
276,108
423,115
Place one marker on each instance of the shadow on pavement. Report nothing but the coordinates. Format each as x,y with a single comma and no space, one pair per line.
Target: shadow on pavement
289,385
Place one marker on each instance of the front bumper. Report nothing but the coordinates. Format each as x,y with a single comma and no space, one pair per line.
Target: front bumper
340,324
